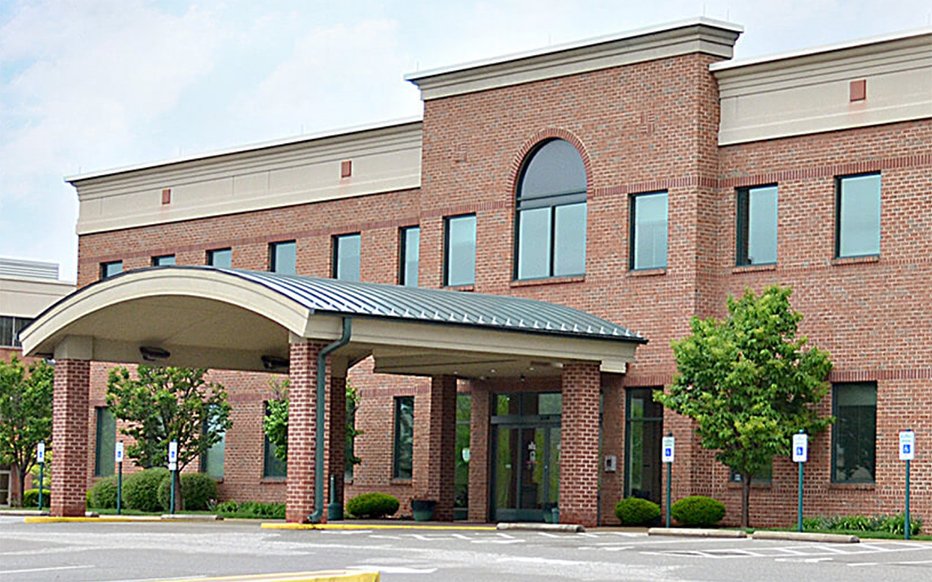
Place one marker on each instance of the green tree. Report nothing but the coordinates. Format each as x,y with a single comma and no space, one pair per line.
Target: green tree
275,422
25,414
749,383
164,404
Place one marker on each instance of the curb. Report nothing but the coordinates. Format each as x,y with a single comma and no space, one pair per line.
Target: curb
107,519
553,527
335,526
696,533
806,537
320,576
22,513
190,517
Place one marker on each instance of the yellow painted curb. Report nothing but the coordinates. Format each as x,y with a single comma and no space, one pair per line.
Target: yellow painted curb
321,576
108,519
335,526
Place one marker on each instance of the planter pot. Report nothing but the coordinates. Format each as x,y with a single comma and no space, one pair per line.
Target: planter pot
423,509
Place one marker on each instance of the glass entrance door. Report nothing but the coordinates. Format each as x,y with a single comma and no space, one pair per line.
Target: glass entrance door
643,437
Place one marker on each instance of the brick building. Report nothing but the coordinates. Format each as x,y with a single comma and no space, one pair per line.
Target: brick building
641,178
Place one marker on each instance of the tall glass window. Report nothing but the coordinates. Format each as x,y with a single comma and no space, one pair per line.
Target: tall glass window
10,328
648,231
461,477
551,213
346,257
460,250
163,260
110,269
409,255
212,459
403,446
272,466
106,443
854,434
757,226
222,258
283,257
857,215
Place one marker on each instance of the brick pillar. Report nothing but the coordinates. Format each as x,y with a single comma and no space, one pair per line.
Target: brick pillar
70,438
579,450
440,416
479,428
337,450
302,428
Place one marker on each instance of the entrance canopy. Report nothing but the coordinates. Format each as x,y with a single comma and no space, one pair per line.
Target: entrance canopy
245,320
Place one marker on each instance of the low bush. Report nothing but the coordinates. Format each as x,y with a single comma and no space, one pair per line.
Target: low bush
372,505
251,509
698,511
141,490
198,492
103,495
636,511
31,498
893,524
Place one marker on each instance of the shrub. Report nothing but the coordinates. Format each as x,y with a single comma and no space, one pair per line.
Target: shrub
227,507
893,524
698,511
103,495
198,490
372,505
636,511
141,490
31,498
251,509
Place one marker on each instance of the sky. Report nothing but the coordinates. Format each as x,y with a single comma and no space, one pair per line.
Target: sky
88,85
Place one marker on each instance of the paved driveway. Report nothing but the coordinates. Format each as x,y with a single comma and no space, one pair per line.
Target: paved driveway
147,551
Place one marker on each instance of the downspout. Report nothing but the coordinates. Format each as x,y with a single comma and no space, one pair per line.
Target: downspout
320,436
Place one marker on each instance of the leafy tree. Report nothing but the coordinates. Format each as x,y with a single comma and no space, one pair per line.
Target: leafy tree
164,404
275,422
25,413
749,383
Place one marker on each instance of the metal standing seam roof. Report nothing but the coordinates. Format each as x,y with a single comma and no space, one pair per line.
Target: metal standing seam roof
334,296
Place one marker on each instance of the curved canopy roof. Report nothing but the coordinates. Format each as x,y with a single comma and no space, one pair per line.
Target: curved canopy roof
229,318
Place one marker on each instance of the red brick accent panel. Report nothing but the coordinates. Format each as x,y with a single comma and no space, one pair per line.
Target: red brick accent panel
337,407
302,429
479,428
69,437
435,480
579,456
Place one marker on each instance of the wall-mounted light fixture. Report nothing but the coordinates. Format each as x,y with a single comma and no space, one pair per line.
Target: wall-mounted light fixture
153,354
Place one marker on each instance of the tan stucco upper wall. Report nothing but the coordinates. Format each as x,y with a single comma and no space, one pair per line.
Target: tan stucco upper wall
383,159
810,92
28,298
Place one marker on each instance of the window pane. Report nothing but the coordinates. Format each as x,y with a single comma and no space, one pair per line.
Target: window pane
650,231
461,250
163,261
556,168
765,475
410,256
346,258
222,258
6,331
461,477
404,437
550,403
854,433
570,240
859,216
534,243
757,226
110,269
271,465
213,458
19,324
283,258
106,443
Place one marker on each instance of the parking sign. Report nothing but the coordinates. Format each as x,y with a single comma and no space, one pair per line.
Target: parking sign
173,456
907,445
118,452
40,453
668,445
800,448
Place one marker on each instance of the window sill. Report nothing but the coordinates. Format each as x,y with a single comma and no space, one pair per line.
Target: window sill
853,486
754,485
856,260
646,272
465,288
272,480
408,482
548,281
754,268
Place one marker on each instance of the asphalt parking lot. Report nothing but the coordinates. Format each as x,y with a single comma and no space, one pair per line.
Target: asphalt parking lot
164,551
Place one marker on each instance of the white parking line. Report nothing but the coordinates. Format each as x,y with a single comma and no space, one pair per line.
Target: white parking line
50,569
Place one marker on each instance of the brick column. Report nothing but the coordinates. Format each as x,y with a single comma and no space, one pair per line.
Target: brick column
479,428
579,449
70,438
337,450
440,416
302,428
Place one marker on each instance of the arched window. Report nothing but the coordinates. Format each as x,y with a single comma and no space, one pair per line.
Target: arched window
551,213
